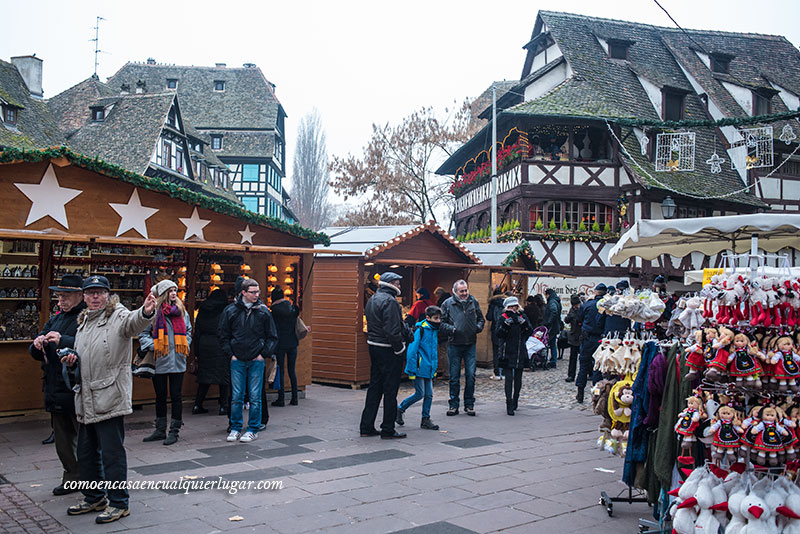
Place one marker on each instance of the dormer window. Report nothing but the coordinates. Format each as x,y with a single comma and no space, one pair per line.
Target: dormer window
98,114
219,85
216,142
9,115
721,63
762,103
172,83
618,48
672,102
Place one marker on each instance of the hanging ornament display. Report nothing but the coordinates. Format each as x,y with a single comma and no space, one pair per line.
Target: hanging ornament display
753,150
675,151
644,140
716,163
787,134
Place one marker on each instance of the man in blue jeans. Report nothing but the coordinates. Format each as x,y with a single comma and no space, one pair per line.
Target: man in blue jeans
247,333
463,313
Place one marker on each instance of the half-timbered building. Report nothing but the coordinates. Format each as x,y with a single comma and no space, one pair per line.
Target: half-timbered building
576,166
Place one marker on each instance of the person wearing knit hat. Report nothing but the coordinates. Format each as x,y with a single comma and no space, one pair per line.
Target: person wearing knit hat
512,330
169,337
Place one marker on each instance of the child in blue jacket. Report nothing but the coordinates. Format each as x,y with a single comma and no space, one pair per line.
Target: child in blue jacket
421,364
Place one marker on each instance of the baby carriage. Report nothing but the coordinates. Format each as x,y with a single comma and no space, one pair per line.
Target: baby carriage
537,348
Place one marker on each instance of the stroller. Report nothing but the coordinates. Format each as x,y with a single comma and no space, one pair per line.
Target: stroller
537,348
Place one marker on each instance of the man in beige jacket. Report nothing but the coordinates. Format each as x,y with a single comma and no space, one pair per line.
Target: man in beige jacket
103,395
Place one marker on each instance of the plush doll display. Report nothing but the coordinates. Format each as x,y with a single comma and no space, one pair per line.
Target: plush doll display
769,437
718,367
688,421
691,317
701,353
748,438
743,364
726,432
784,361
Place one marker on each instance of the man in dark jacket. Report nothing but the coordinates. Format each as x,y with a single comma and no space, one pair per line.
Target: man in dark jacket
573,336
493,314
59,400
462,314
386,340
247,334
592,323
552,320
285,316
617,323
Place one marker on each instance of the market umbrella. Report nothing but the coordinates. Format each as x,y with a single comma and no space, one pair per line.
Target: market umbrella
649,239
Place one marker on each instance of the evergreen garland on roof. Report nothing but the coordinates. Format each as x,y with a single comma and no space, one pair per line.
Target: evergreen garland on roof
731,121
523,251
218,205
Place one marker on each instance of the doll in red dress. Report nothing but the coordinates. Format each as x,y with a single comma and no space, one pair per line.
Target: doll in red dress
769,437
727,432
701,353
743,364
785,368
688,421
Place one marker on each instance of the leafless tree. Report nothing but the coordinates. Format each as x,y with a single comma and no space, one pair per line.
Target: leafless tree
310,175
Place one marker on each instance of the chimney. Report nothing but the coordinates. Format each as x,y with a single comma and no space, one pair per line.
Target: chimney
30,68
249,65
220,65
125,89
140,87
151,61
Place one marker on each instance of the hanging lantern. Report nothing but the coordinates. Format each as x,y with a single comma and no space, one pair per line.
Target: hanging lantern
245,277
289,269
215,278
273,268
245,268
182,282
270,288
288,280
212,288
272,279
288,291
216,267
182,295
182,270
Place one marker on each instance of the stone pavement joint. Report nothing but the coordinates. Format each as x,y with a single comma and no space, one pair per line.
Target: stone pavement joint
18,513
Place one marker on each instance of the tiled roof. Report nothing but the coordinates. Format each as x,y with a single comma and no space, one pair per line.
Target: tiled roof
430,227
482,106
245,143
35,126
71,107
128,134
248,100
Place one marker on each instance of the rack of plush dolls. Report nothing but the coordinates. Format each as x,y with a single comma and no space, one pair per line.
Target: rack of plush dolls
639,306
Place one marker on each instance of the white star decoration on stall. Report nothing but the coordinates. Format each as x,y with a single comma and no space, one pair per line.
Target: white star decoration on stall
716,163
247,235
134,215
194,225
787,134
48,198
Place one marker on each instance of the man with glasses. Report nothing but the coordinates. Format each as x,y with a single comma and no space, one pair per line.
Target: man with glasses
248,335
59,333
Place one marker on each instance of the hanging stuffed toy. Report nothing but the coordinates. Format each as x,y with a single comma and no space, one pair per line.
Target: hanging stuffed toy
600,393
784,361
758,301
769,437
620,400
726,432
717,368
701,353
691,317
743,364
748,440
688,421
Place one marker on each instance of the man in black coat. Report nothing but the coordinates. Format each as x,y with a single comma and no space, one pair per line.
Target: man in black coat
592,324
386,340
552,320
59,400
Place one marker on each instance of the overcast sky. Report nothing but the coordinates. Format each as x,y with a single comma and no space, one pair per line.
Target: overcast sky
358,63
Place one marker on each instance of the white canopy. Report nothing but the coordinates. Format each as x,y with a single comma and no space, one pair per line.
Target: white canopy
649,239
696,277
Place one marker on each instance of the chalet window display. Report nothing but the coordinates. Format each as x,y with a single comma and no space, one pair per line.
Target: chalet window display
572,216
753,150
675,151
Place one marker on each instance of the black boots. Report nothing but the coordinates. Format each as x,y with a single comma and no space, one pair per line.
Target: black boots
160,432
579,396
399,418
174,428
197,409
510,407
293,402
427,424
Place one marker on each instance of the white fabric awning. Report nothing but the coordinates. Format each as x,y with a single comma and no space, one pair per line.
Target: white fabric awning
648,239
696,277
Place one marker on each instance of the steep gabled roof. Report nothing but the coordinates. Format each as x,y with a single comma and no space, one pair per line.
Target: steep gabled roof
430,227
128,134
71,107
248,100
35,126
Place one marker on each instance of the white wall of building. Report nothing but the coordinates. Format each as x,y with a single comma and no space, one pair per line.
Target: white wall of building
704,58
653,93
791,100
742,95
546,56
548,81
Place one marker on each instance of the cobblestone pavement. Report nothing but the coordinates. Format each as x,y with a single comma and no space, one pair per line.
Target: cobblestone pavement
546,389
20,514
538,471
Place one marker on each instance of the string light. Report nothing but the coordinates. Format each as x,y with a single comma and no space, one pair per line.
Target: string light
690,195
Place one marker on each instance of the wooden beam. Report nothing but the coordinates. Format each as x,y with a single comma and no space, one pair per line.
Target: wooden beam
426,263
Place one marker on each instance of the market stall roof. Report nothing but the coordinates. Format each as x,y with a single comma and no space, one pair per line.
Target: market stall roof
493,254
696,277
649,239
374,241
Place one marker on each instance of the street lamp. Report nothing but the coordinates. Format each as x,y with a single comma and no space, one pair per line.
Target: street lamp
668,207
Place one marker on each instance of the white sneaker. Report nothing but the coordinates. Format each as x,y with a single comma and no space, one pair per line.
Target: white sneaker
248,437
234,435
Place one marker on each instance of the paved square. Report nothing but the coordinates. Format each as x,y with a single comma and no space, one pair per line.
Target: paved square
534,472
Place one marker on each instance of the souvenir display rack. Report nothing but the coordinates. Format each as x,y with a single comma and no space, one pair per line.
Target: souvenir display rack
217,271
20,288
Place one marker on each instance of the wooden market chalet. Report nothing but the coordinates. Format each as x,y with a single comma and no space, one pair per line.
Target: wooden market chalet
576,166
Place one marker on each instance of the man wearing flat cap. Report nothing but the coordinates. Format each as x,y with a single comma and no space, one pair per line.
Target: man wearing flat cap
386,339
59,333
592,324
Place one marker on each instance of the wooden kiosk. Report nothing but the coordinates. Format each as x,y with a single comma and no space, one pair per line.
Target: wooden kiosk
63,213
425,256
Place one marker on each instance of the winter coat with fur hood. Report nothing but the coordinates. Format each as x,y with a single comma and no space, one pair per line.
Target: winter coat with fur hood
104,346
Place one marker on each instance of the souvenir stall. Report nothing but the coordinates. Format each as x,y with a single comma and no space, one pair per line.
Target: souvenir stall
425,256
64,213
511,266
713,414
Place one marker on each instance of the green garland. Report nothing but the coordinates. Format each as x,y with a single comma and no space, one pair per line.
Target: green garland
522,251
584,237
219,205
732,121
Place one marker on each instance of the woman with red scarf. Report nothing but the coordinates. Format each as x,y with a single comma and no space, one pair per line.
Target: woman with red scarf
169,338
